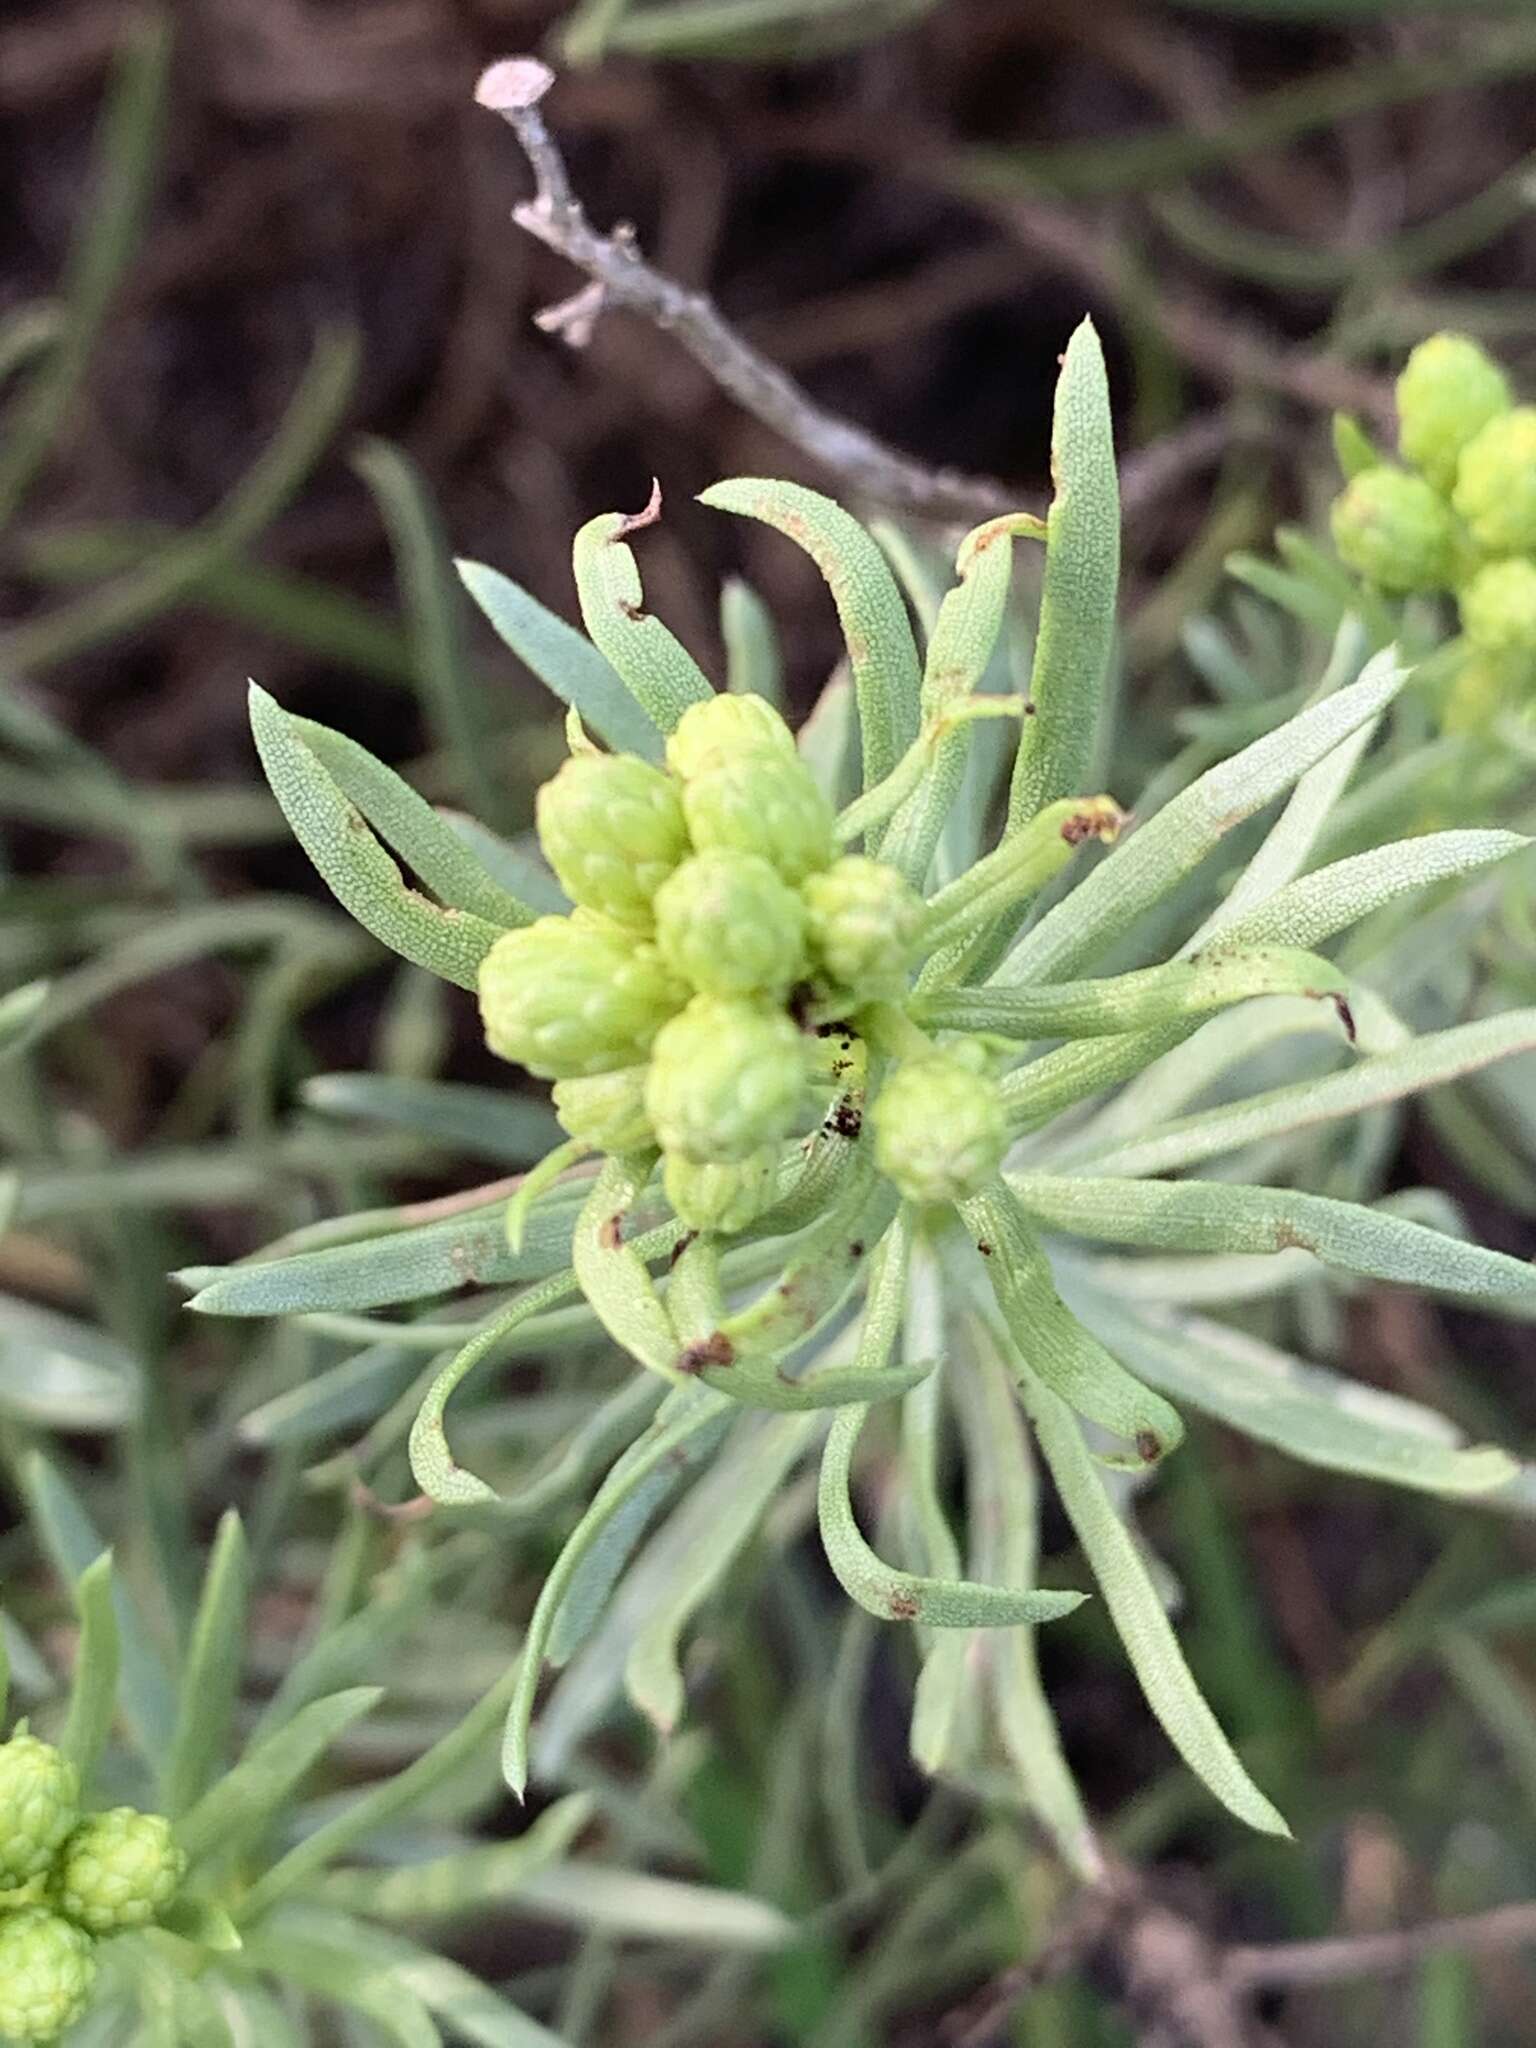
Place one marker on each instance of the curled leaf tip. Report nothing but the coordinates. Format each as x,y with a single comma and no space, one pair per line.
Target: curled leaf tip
636,522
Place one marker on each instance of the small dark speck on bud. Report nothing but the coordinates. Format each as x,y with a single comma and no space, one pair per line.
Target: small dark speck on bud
513,85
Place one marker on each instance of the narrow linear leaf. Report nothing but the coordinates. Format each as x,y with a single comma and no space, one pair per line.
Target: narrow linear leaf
613,1275
1425,1062
59,1373
565,661
242,1805
1150,860
210,1677
465,1881
893,1595
1050,1341
404,820
1147,999
1082,579
881,651
382,1803
1341,1425
93,1686
1138,1614
433,603
490,1123
1222,1216
754,661
658,670
352,862
627,1902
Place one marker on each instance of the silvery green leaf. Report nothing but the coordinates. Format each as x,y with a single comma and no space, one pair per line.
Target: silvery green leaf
629,1902
658,670
754,661
331,829
210,1676
489,1123
564,660
93,1686
464,1880
1210,1216
1309,1413
1330,899
241,1805
1143,1626
1423,1063
59,1373
1148,862
1082,578
876,630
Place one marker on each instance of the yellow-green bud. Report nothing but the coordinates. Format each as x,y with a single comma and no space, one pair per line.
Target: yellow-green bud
940,1128
566,997
606,1110
865,920
46,1971
1449,389
730,925
727,724
1496,484
1498,607
612,829
722,1197
764,802
1394,530
118,1869
39,1804
726,1078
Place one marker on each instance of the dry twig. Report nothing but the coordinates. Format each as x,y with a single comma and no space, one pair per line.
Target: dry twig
619,277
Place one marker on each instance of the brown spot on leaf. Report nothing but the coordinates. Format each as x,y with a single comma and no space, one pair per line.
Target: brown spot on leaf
903,1605
716,1349
1347,1019
1289,1238
856,1248
680,1247
611,1234
983,1247
1149,1446
846,1118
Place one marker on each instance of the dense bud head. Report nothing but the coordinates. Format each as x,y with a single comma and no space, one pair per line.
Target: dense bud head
1496,484
1498,607
940,1127
612,829
1394,530
1449,389
764,802
726,724
569,996
730,925
865,921
118,1869
46,1971
606,1110
726,1079
39,1804
723,1197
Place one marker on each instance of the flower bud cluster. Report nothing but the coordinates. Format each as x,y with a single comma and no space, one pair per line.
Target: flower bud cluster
1462,516
65,1880
713,920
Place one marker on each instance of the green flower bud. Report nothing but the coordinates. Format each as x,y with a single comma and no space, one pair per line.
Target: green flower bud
726,1079
46,1971
726,724
865,920
731,926
606,1110
940,1127
612,829
724,1197
1496,484
1394,530
764,802
118,1869
1449,389
1498,607
568,996
39,1804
